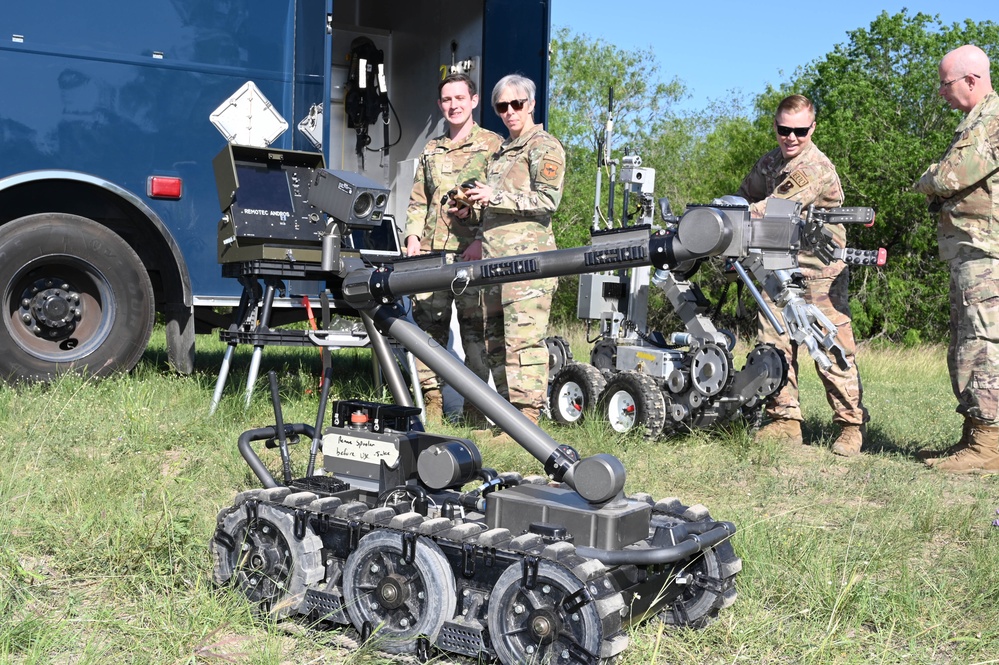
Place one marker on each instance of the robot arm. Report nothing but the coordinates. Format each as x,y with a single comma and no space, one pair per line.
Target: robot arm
805,324
767,248
768,245
816,237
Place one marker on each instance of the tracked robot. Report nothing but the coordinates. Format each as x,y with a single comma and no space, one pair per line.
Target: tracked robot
414,541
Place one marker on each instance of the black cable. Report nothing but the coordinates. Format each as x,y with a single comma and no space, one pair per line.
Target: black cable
398,123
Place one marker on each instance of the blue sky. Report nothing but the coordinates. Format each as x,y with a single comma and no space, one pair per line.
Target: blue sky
721,46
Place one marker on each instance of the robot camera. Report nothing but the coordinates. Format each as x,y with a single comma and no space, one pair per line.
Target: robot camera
349,198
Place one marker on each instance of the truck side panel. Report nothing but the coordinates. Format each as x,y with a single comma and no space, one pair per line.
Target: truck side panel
99,97
124,90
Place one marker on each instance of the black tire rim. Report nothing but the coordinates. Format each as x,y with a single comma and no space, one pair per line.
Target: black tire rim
402,596
60,308
543,623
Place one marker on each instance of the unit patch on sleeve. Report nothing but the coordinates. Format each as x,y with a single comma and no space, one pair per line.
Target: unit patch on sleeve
793,184
550,169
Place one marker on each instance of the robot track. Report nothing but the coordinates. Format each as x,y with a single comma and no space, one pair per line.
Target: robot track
415,583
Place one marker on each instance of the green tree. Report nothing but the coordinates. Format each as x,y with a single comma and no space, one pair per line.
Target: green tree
726,149
882,122
583,71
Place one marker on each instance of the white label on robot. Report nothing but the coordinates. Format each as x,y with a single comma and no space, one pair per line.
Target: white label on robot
360,450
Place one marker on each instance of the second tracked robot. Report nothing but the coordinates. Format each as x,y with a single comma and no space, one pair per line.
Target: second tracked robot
663,383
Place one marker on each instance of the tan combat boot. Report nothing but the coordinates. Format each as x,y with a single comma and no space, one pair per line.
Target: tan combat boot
980,456
850,441
532,414
433,406
929,454
783,430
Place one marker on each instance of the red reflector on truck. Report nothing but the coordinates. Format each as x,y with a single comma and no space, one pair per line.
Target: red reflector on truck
162,187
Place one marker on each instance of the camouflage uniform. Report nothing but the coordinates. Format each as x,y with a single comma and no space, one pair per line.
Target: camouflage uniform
443,166
964,187
526,176
810,178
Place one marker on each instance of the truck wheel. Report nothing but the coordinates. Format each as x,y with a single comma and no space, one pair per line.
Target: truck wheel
76,297
574,390
632,399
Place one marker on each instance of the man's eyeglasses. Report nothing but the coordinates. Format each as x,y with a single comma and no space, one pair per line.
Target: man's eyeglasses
947,83
800,132
517,104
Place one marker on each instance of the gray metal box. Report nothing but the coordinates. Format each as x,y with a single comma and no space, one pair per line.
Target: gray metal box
610,527
349,198
657,363
591,302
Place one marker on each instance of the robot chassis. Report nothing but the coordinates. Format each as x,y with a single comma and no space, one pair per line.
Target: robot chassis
389,539
664,384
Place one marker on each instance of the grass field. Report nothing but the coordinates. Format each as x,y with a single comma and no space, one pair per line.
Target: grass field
109,492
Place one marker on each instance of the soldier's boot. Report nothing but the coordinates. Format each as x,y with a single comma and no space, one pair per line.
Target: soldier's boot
532,414
980,456
930,454
483,434
784,430
433,406
850,441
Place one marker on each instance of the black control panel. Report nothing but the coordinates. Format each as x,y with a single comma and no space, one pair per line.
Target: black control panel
263,194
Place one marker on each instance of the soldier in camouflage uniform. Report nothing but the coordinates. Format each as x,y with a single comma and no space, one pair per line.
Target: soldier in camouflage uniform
432,224
522,189
963,187
798,170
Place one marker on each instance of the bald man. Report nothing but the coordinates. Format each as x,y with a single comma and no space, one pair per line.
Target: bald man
963,187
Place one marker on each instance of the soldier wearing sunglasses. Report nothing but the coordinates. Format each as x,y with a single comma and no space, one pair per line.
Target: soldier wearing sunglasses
796,169
963,188
522,189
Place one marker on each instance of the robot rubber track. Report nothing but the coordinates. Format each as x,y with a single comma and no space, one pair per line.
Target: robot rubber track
411,582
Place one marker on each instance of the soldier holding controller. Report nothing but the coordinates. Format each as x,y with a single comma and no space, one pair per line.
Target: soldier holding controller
522,188
434,222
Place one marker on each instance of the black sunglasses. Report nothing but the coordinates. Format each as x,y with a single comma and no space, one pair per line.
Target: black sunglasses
800,132
517,104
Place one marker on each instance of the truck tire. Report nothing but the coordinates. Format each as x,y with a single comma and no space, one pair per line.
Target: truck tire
75,297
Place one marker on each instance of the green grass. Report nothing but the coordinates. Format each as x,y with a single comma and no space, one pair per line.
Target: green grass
109,492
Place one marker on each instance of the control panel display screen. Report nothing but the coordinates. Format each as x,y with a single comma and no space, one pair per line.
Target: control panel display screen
263,190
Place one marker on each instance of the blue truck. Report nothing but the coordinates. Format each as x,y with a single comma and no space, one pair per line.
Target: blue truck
108,204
